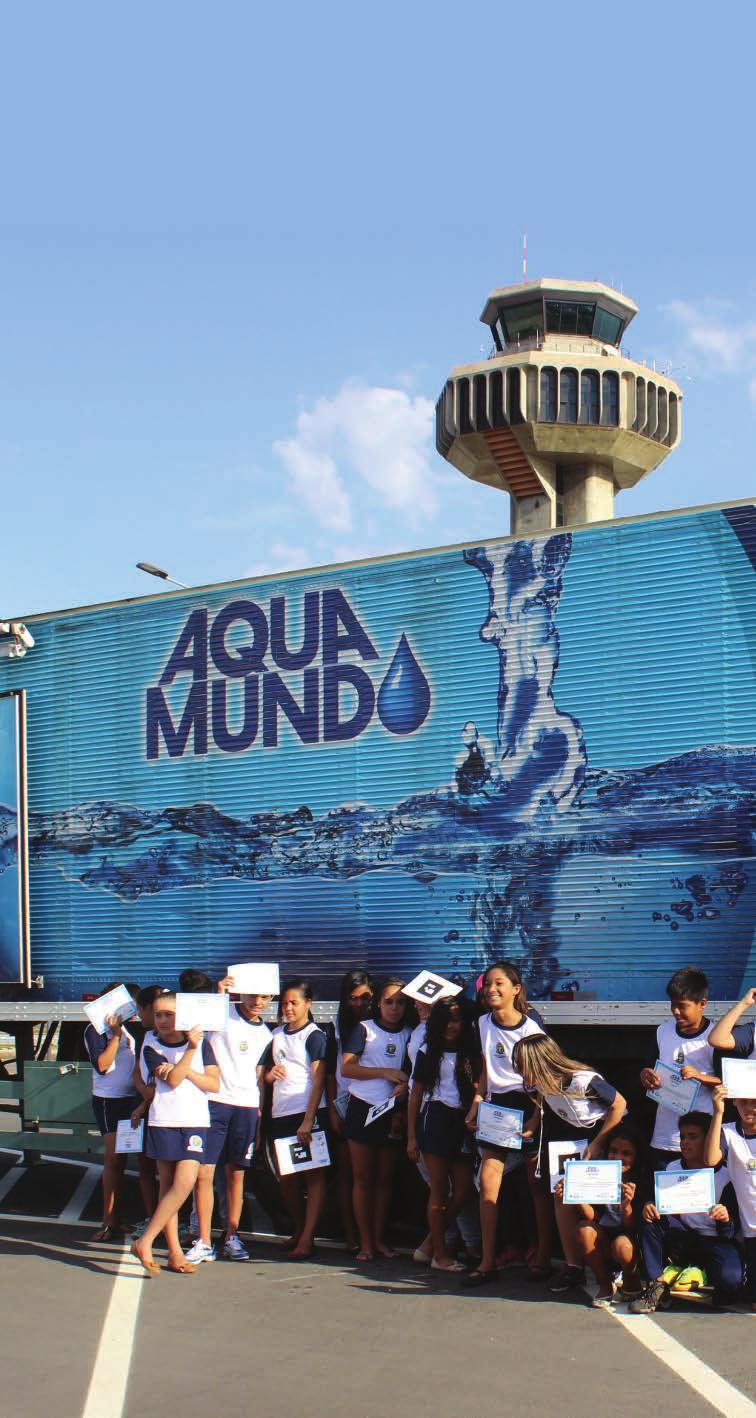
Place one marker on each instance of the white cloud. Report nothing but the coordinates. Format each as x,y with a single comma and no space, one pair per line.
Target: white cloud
716,339
282,556
365,438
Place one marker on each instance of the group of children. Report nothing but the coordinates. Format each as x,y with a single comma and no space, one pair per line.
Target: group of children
389,1073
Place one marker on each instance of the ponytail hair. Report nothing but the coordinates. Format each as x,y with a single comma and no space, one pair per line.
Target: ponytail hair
303,988
508,968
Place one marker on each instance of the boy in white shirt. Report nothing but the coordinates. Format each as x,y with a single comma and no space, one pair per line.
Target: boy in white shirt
682,1043
735,1144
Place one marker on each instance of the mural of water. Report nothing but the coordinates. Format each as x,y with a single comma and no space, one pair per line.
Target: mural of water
594,878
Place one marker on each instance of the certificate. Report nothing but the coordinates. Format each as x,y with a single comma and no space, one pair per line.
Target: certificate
341,1103
117,1001
560,1153
255,978
295,1156
427,988
379,1109
599,1183
680,1192
675,1092
129,1139
739,1077
500,1126
202,1011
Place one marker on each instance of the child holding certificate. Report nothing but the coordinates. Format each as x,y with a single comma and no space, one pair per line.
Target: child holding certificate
606,1235
683,1043
183,1071
699,1242
735,1143
576,1103
111,1054
375,1069
442,1085
500,1030
355,1004
295,1062
234,1116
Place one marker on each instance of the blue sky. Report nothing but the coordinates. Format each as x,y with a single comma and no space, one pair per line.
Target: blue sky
241,248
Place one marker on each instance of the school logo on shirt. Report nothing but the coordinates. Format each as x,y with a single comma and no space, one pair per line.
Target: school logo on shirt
243,1046
500,1049
280,1055
751,1164
680,1056
195,1143
391,1050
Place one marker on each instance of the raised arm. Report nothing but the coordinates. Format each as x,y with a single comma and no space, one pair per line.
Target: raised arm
713,1143
721,1036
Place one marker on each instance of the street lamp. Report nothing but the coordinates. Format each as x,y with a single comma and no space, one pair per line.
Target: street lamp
158,571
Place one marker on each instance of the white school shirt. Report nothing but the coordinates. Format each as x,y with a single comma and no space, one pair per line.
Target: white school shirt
116,1082
678,1049
739,1153
297,1051
445,1089
699,1220
238,1051
585,1101
497,1043
183,1107
382,1048
416,1041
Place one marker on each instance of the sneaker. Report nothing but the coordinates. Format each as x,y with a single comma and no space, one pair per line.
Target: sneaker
670,1274
198,1252
233,1249
602,1302
691,1278
652,1299
570,1278
140,1228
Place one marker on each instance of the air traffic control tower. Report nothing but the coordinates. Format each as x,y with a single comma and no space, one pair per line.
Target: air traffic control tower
557,415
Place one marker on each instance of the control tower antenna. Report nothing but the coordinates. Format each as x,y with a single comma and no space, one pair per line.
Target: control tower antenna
524,258
557,416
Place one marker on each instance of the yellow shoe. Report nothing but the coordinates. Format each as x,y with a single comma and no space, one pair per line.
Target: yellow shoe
691,1278
670,1274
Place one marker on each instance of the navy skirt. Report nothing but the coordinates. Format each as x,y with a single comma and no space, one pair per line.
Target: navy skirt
442,1133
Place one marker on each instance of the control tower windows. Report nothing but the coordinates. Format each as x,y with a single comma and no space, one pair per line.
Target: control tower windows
610,399
514,407
639,422
607,327
590,396
672,431
523,322
548,409
568,396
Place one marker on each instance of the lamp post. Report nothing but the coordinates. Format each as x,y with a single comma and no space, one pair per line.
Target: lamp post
163,575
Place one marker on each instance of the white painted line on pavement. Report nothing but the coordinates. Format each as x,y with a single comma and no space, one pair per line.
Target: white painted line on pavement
81,1196
13,1175
44,1220
107,1389
706,1382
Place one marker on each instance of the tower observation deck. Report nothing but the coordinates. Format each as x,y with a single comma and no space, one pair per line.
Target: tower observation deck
557,415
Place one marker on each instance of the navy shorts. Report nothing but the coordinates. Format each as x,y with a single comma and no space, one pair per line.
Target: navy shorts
287,1125
109,1112
177,1144
232,1134
377,1134
442,1133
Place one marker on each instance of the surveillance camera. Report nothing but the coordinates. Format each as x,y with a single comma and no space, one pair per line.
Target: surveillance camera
22,633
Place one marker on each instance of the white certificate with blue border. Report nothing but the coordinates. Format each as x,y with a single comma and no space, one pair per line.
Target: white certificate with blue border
682,1192
598,1183
500,1126
739,1077
378,1109
675,1092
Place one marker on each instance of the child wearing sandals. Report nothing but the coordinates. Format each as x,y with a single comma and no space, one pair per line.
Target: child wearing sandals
507,1022
442,1090
183,1071
374,1065
576,1103
607,1235
114,1098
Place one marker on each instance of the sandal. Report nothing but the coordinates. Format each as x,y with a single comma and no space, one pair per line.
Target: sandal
186,1268
454,1268
385,1253
479,1277
107,1233
364,1258
149,1267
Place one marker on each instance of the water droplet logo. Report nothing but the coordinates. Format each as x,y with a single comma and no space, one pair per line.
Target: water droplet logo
404,697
